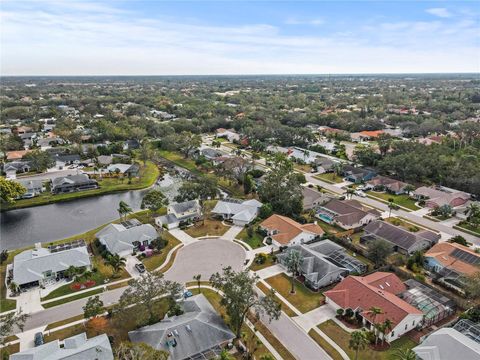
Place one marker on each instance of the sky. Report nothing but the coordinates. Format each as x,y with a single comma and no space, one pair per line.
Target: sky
118,37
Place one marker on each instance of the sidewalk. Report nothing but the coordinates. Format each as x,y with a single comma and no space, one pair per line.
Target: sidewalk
231,233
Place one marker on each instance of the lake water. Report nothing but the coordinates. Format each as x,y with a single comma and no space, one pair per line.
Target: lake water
24,227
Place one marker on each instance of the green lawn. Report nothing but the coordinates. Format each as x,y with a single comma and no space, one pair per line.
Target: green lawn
153,262
331,178
285,308
7,304
178,159
255,241
402,200
72,298
304,299
147,177
342,338
468,227
334,354
269,262
209,227
303,167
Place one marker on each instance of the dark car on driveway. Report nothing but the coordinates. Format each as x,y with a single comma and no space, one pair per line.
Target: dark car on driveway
140,267
38,339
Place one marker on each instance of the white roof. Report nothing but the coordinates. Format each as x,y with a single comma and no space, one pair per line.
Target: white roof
29,265
244,211
76,348
117,238
121,167
447,344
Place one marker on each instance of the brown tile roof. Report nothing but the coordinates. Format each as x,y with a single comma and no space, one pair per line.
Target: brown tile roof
18,154
442,253
349,212
357,292
287,229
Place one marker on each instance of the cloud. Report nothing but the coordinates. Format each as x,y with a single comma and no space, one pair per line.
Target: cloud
311,22
440,12
89,39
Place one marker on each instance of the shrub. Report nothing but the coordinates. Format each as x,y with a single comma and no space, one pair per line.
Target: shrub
261,258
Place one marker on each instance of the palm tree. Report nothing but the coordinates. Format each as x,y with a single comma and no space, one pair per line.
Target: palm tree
197,279
405,354
386,327
409,188
473,213
123,209
375,311
116,262
391,206
294,260
358,341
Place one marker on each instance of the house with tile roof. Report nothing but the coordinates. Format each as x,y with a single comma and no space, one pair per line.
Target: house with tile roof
381,290
401,240
435,197
239,212
452,261
287,232
77,347
348,214
383,183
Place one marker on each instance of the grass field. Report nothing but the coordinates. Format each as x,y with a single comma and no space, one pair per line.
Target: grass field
304,299
64,322
72,298
153,262
334,354
255,241
331,178
147,177
402,200
465,226
208,227
267,263
342,338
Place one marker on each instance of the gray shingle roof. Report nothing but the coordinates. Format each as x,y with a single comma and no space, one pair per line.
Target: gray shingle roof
76,348
199,329
29,265
117,238
185,206
245,211
72,179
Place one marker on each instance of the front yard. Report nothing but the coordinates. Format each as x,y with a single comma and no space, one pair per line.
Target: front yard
331,178
469,228
269,261
153,262
304,299
402,200
342,338
208,227
255,241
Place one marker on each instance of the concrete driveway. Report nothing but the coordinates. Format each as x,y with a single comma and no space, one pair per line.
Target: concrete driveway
130,266
205,257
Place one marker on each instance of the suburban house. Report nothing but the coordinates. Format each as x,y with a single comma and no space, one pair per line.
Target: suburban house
366,135
40,266
379,289
324,263
12,168
448,343
104,160
357,174
62,160
324,164
401,240
211,154
303,155
452,261
435,198
239,212
34,187
313,198
287,232
383,183
71,183
16,154
75,348
124,238
229,134
348,214
179,212
199,333
124,169
131,144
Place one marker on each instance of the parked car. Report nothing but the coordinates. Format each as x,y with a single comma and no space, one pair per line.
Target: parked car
28,196
360,193
187,294
38,339
140,267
